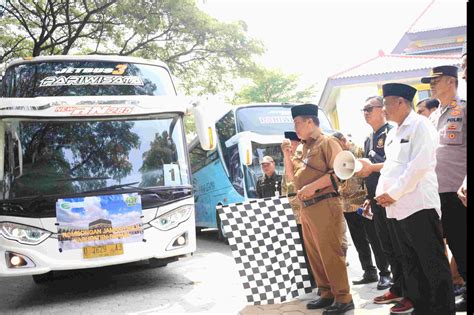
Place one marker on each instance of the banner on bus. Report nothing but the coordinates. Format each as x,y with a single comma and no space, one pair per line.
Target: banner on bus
99,220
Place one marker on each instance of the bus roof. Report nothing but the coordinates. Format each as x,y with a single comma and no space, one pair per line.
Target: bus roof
112,58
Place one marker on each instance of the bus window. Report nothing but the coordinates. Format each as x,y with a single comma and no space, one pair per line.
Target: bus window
272,120
83,78
200,158
225,128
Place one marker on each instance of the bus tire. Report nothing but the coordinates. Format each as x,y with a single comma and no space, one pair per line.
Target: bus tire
220,231
43,278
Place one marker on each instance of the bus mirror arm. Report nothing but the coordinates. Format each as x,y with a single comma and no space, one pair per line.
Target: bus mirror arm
20,156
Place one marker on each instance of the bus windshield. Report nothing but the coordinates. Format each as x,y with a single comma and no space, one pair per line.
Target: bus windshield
85,78
68,157
254,171
272,120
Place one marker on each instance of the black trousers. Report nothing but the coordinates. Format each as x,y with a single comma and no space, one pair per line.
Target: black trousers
363,233
455,229
385,229
311,277
426,273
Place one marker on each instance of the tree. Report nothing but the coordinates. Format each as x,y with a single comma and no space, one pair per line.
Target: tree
204,53
273,86
96,150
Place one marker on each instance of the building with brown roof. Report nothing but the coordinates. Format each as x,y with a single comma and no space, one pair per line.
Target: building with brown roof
432,40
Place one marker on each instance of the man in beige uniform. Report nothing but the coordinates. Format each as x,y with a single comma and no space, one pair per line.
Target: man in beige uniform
292,149
322,216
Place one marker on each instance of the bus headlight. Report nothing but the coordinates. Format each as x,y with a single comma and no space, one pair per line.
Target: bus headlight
173,218
23,234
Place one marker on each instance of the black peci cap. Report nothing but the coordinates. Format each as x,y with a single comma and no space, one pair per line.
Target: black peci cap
291,135
451,71
304,110
432,103
399,89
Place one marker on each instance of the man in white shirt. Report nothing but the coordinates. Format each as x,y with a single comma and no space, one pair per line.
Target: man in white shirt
408,188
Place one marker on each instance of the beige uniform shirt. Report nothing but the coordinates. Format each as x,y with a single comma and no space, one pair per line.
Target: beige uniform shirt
353,190
451,155
289,187
319,153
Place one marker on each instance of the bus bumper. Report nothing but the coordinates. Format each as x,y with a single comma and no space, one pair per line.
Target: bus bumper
46,257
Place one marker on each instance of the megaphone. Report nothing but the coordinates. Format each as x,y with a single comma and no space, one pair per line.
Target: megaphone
346,165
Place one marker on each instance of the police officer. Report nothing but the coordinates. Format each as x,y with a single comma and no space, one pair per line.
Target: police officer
269,184
322,216
462,191
450,119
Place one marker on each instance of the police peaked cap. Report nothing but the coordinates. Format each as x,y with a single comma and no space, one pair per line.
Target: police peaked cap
451,71
304,110
291,135
399,89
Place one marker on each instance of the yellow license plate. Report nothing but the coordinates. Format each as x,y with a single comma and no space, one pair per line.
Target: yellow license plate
103,251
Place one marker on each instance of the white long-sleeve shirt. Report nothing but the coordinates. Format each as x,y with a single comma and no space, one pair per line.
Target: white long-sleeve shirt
408,174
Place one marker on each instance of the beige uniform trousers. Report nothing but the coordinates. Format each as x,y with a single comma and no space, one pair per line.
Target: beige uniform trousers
323,233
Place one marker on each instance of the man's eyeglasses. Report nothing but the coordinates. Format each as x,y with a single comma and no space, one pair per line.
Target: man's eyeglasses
369,109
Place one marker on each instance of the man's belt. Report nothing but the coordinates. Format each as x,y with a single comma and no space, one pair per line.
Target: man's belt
310,202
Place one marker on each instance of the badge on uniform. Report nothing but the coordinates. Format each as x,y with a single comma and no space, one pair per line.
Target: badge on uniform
380,143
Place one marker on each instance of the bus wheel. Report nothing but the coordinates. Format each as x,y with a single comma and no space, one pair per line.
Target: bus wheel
220,230
43,278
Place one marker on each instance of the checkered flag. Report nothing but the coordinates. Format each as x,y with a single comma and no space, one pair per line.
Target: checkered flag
266,246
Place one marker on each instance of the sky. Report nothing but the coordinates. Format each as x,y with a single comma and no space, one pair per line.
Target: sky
320,38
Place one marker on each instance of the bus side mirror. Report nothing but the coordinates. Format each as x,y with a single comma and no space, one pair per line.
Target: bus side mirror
205,128
245,151
2,150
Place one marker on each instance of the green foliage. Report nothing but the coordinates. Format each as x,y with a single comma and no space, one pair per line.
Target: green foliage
274,86
204,53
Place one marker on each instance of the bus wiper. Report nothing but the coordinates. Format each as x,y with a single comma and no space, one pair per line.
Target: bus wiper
118,186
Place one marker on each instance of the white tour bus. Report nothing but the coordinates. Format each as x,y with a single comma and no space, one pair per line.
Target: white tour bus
94,166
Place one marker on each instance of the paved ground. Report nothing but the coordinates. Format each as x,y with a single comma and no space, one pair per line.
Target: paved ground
205,283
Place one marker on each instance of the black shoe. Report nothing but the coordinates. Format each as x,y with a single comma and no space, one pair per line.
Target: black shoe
385,282
339,308
461,306
368,277
320,303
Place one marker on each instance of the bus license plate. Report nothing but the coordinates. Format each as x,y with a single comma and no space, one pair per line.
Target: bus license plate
103,251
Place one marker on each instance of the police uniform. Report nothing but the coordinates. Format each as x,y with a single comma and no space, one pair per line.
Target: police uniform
322,217
267,186
451,155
